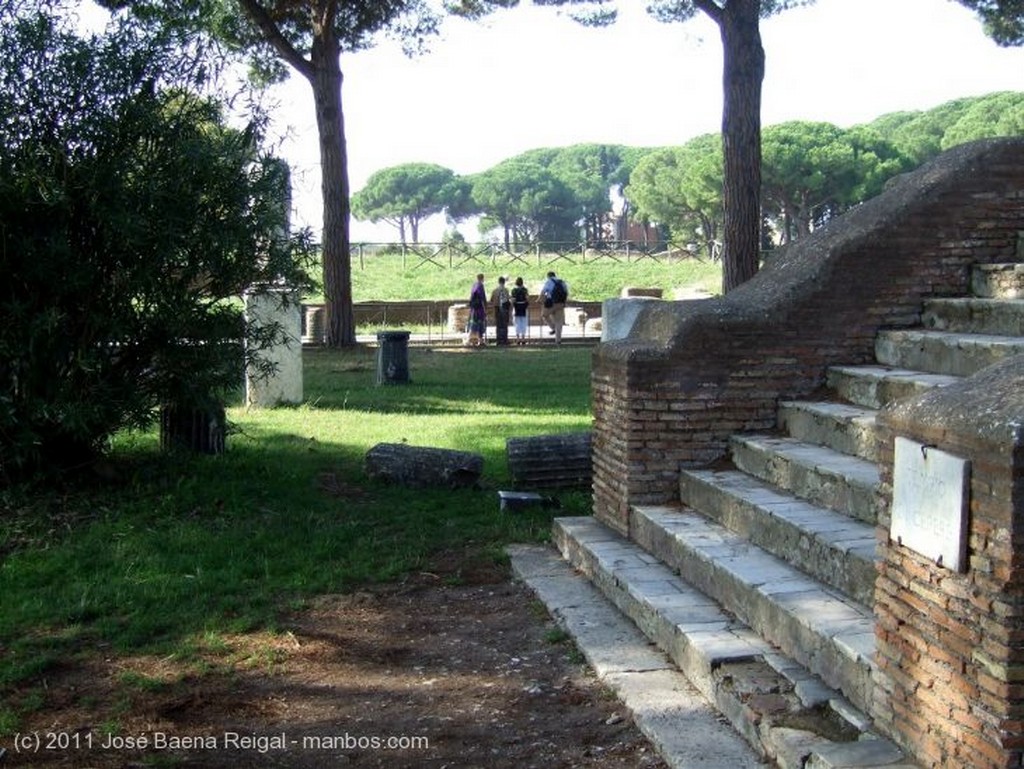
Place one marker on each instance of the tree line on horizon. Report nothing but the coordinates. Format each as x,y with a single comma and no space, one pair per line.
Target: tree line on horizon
811,172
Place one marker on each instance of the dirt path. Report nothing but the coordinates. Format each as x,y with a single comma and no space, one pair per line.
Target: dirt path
423,674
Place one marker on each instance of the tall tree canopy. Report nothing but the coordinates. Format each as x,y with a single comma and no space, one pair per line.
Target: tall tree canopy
527,201
681,188
1003,20
592,172
405,195
813,171
575,181
309,37
922,135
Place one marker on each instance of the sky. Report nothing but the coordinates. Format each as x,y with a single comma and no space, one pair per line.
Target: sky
531,77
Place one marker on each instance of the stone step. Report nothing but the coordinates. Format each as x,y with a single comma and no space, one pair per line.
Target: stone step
683,726
829,546
826,632
875,387
789,714
944,352
844,427
1003,317
1000,281
817,474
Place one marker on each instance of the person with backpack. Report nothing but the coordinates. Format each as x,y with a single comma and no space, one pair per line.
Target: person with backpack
555,294
520,308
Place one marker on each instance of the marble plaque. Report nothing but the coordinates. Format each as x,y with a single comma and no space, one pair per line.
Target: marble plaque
930,502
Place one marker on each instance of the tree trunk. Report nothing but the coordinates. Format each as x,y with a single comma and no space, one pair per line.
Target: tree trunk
336,252
741,140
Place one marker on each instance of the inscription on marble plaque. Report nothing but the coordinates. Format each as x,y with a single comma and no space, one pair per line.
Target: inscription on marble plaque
930,503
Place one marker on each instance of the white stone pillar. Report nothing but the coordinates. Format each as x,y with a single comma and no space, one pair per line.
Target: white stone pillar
285,384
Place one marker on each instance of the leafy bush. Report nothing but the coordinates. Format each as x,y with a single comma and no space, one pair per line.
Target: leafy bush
131,221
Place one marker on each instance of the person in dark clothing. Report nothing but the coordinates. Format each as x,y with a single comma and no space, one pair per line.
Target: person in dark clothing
477,313
520,308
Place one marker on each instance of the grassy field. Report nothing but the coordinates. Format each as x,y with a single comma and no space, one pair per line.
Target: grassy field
168,552
388,278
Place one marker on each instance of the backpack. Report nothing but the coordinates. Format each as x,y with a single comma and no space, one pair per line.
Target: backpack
559,293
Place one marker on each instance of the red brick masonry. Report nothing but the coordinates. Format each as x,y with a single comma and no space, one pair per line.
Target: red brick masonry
692,373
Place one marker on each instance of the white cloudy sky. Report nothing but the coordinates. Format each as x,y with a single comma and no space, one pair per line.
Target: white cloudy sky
531,78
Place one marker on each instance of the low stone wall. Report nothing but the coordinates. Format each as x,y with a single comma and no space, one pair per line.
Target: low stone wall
439,313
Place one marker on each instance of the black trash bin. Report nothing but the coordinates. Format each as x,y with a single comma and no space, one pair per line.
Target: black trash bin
392,357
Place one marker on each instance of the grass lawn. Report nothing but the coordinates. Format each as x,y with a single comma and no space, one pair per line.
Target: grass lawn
385,277
168,552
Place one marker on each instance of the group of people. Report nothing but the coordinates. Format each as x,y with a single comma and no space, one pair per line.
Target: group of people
514,303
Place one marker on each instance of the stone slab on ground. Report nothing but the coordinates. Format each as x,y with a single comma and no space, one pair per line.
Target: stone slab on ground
685,729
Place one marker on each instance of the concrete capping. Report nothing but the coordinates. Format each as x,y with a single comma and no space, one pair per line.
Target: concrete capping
793,277
619,315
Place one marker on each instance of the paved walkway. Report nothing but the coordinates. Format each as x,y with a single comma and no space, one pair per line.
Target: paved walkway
680,723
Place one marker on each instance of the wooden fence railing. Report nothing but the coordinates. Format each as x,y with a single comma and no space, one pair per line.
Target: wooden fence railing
454,255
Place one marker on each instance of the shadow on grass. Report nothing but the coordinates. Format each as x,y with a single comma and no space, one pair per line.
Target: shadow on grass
178,546
454,380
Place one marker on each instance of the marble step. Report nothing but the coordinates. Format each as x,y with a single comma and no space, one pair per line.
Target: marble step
829,546
843,427
944,352
683,726
1001,281
1002,317
826,632
788,713
817,474
875,387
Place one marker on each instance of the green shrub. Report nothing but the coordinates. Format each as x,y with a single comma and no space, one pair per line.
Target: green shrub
131,219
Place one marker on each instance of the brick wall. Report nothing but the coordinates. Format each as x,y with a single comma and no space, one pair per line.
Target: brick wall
692,373
950,645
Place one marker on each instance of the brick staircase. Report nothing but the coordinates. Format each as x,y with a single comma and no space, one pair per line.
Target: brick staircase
759,585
